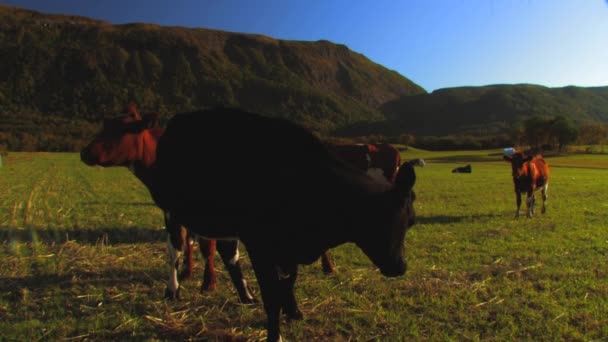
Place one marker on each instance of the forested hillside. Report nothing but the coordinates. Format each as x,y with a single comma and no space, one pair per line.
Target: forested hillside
59,75
487,110
81,69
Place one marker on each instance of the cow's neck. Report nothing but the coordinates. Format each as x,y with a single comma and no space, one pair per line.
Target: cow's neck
141,166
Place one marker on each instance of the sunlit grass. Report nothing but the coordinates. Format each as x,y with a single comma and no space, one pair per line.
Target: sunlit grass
83,257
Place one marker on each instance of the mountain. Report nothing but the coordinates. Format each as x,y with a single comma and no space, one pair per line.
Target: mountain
82,69
60,74
486,110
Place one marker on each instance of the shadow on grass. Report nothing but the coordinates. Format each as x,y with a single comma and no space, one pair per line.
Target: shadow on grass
117,235
135,292
465,159
447,219
107,278
120,204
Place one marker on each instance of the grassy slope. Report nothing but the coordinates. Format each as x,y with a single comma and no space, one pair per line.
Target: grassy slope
475,273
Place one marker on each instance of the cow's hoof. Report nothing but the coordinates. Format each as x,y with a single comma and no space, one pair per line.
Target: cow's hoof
171,295
184,275
295,315
328,270
249,299
206,287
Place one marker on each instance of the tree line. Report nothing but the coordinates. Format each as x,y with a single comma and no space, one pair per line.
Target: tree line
34,132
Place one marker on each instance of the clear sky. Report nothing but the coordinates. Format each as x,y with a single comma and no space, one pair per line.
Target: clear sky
435,43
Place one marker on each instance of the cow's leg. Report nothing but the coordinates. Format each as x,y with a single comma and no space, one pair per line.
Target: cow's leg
229,252
268,280
207,247
530,203
287,279
544,193
518,201
188,259
176,241
327,264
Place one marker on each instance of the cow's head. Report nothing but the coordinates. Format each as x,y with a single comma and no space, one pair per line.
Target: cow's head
518,161
385,247
119,143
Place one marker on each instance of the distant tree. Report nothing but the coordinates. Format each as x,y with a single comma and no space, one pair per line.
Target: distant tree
406,139
593,134
517,134
28,142
536,131
563,131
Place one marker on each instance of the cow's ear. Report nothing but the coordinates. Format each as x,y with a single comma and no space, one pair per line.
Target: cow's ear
507,158
404,181
151,120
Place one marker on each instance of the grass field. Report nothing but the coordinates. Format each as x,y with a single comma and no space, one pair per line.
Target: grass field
83,258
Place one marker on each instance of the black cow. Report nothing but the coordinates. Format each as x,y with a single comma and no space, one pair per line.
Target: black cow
463,169
285,197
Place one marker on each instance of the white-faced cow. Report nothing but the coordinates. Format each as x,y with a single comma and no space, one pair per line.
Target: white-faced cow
130,140
530,173
286,197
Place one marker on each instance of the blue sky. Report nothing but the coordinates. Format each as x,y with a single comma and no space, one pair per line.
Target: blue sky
435,43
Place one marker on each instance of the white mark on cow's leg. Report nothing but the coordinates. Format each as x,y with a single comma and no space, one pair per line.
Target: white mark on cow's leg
530,205
235,257
174,257
545,195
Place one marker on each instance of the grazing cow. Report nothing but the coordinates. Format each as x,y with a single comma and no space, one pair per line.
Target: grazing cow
136,149
463,169
530,173
378,160
286,197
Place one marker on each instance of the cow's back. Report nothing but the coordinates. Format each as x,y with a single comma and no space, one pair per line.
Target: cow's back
543,170
233,169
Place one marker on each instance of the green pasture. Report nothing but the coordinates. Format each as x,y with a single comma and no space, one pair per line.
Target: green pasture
83,258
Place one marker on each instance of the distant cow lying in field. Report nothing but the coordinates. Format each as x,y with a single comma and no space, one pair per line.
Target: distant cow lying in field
136,149
463,169
530,173
287,198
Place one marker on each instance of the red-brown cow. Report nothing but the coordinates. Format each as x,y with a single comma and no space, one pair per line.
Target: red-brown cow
136,149
380,161
530,173
287,207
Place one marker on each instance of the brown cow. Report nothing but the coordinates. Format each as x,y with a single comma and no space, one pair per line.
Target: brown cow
530,173
287,207
137,150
